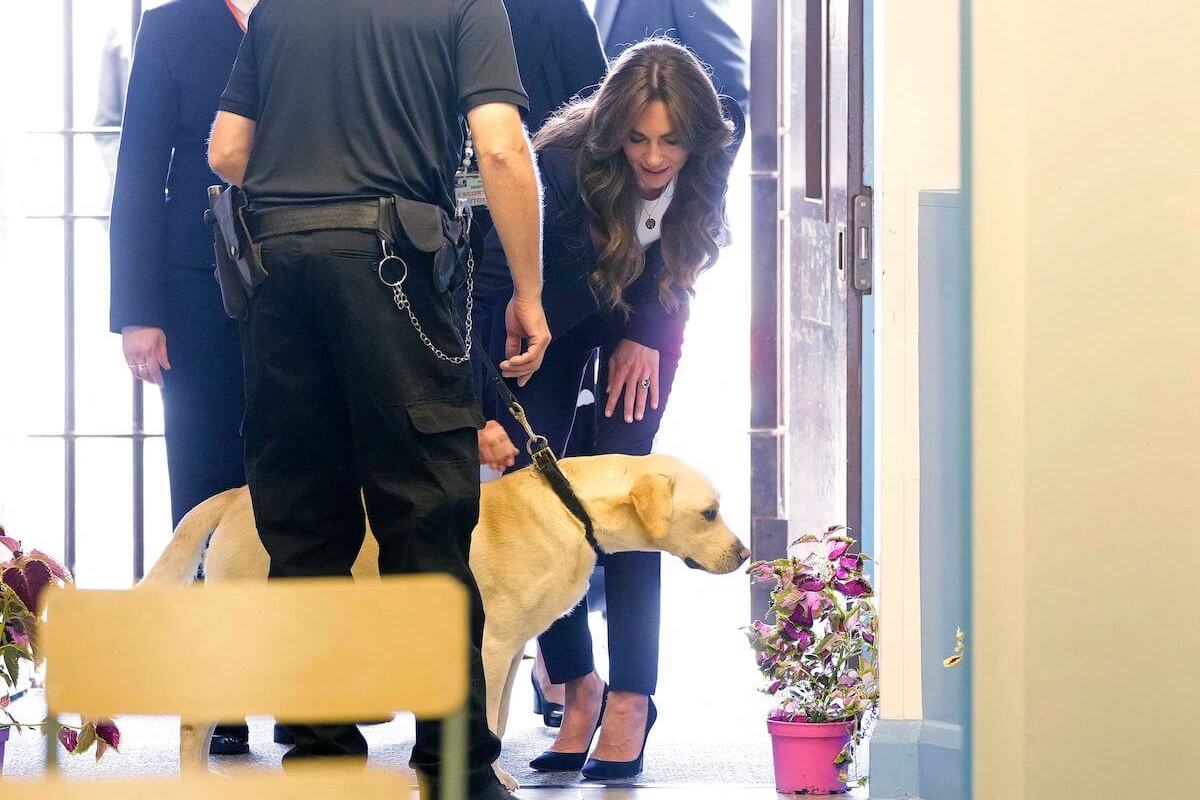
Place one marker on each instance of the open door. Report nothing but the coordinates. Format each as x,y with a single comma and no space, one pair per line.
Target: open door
811,264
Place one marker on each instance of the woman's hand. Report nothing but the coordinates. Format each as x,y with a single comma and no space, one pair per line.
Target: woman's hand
632,370
496,450
145,352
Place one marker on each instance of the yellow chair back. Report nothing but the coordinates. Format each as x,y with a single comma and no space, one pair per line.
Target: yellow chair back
316,650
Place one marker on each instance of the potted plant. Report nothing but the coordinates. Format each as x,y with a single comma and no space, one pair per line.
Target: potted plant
820,659
22,579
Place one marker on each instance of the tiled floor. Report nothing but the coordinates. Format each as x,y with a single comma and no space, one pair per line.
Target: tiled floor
707,792
697,757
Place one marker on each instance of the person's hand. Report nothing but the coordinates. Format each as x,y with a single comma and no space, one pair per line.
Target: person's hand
524,319
496,450
145,352
632,371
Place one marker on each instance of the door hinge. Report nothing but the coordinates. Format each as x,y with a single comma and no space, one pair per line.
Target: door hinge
863,247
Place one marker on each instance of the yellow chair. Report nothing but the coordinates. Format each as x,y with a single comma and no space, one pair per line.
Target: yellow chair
327,782
317,650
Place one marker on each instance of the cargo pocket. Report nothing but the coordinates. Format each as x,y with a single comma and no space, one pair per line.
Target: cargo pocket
445,430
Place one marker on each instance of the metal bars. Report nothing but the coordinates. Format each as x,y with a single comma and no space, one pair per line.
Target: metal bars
69,281
137,436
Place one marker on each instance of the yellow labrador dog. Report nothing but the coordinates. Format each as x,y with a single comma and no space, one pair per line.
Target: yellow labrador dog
528,553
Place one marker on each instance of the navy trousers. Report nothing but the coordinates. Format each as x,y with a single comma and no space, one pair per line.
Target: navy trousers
203,398
202,393
631,580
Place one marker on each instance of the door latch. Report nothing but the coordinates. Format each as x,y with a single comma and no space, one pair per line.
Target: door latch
863,246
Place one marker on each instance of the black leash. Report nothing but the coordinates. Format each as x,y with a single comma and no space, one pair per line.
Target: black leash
538,447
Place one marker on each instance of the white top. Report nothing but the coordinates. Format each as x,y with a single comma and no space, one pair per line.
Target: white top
654,210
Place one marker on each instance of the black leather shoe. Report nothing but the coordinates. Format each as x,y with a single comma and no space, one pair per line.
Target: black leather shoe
554,761
597,770
552,713
230,740
493,791
282,735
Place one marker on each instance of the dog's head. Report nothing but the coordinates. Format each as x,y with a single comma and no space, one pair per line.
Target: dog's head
680,513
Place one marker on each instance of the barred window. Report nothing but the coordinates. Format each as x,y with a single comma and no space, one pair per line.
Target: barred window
82,462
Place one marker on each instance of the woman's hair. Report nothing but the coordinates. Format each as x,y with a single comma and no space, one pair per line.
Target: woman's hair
595,130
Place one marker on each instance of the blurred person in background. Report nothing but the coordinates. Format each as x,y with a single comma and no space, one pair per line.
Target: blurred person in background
165,302
703,26
559,57
110,103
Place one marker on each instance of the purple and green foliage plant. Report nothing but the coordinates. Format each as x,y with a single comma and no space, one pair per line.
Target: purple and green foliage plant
819,655
22,578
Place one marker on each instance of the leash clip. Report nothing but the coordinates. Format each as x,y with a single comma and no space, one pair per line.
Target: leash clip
537,446
518,413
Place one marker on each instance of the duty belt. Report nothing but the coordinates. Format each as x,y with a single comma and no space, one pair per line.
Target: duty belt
373,215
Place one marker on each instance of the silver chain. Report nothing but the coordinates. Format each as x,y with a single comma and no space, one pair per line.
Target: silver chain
402,303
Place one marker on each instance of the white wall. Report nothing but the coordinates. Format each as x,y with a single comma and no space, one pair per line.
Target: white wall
917,133
1086,183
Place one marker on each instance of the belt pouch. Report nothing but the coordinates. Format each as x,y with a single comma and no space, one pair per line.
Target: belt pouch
429,229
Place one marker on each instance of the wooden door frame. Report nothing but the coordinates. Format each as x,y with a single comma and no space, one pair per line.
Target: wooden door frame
771,262
769,249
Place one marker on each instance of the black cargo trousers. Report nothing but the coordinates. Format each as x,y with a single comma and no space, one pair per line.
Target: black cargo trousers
343,397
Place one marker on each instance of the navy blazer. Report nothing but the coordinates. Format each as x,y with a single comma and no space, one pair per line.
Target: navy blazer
568,259
558,53
701,25
185,50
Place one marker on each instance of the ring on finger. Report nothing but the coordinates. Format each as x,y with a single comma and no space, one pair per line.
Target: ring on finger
645,384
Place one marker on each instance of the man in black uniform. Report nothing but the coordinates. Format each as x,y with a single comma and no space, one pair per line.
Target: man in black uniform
332,110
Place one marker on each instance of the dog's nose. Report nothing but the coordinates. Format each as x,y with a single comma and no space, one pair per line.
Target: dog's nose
744,554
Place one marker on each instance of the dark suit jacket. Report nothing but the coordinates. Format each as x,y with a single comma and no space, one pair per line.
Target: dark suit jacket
184,52
568,258
701,25
559,56
558,53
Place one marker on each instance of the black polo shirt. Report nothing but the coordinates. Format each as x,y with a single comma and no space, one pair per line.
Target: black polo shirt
366,98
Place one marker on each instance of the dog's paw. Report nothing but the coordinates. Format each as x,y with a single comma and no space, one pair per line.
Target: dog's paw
507,780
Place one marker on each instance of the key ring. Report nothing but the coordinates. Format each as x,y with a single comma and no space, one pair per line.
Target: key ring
389,260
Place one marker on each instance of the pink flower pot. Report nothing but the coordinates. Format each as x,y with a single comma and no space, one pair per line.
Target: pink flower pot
804,754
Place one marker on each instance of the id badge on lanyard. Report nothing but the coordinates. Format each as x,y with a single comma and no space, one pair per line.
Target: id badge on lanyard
468,184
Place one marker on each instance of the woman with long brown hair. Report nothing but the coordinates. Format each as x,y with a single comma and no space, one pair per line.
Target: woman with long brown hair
635,179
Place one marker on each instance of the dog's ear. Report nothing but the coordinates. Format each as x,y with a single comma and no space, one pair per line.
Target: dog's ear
651,496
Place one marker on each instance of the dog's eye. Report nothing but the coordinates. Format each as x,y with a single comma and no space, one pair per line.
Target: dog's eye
710,514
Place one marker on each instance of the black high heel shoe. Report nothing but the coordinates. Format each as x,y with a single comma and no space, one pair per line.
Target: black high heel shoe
597,770
553,761
552,713
230,740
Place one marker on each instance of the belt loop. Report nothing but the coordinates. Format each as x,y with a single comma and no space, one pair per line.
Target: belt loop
387,213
